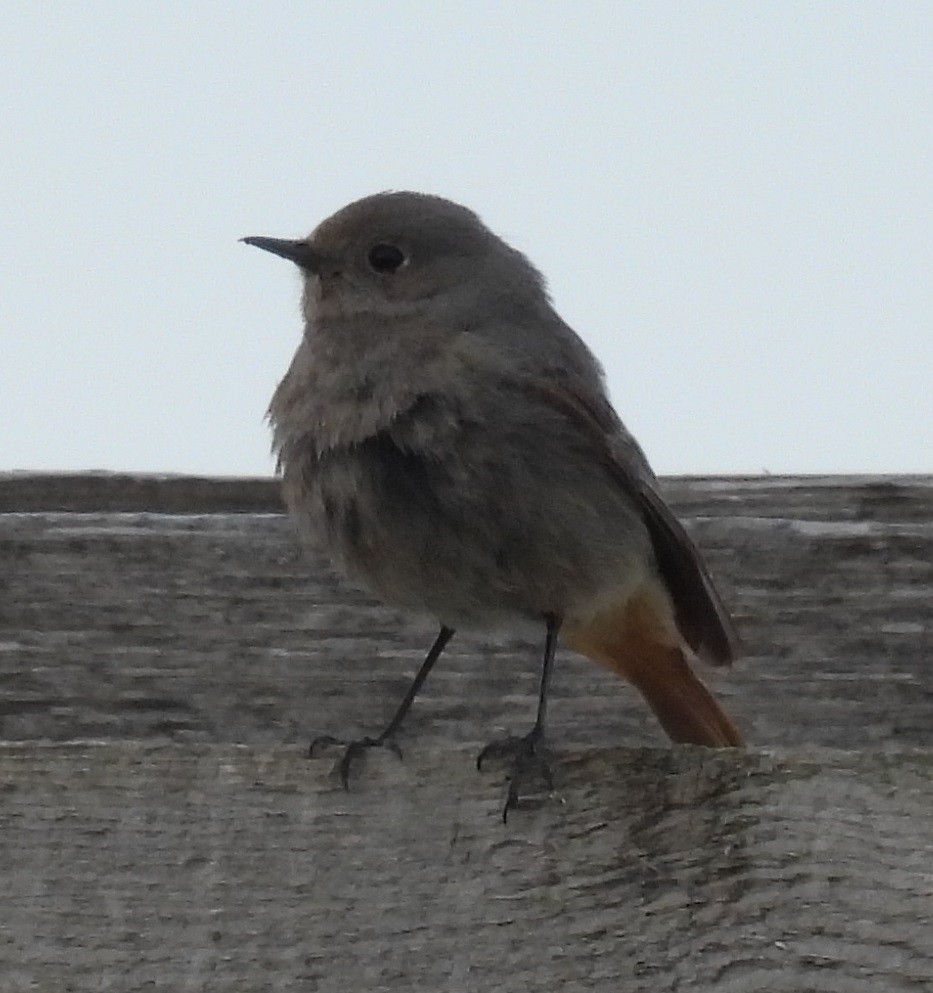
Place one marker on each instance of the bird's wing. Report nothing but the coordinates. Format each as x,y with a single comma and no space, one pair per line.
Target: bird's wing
700,614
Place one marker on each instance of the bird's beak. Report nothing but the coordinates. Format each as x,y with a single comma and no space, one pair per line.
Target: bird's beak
298,251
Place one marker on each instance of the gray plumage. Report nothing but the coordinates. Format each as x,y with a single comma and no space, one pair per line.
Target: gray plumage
447,438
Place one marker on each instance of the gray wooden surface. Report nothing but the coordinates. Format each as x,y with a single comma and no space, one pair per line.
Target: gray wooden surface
166,652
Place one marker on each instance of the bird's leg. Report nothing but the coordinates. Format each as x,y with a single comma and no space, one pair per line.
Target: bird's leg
528,757
354,749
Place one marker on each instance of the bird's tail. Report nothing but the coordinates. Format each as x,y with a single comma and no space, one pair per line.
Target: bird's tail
636,641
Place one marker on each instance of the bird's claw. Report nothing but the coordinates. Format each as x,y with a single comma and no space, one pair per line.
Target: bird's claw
528,764
352,750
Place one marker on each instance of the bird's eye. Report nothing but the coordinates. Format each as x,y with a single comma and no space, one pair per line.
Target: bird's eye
386,259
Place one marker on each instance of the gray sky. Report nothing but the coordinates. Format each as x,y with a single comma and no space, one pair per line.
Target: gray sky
733,203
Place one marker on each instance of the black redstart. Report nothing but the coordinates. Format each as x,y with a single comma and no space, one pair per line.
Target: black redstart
448,439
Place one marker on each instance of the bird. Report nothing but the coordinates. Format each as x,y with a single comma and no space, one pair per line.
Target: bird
448,440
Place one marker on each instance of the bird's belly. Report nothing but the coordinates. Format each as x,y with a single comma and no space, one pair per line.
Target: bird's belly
471,546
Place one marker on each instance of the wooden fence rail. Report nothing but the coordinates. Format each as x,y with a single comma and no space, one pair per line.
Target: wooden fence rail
166,652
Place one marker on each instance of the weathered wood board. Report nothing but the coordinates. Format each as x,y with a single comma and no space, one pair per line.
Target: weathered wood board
215,626
161,827
139,866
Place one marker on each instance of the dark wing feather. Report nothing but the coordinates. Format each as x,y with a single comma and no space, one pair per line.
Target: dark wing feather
701,617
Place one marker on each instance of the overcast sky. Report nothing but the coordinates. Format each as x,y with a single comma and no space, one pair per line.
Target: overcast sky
733,204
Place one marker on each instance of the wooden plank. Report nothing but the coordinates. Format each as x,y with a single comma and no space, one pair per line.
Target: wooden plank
146,866
95,492
193,846
124,492
214,627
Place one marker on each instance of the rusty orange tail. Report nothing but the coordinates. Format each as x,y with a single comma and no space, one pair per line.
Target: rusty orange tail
637,641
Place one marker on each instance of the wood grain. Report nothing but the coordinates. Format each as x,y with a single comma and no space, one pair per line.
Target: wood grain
140,866
164,661
215,626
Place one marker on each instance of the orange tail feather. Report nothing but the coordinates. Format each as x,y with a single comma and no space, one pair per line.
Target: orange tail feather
634,643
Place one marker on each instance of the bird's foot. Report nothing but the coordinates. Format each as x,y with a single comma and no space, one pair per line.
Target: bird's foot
352,750
529,768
